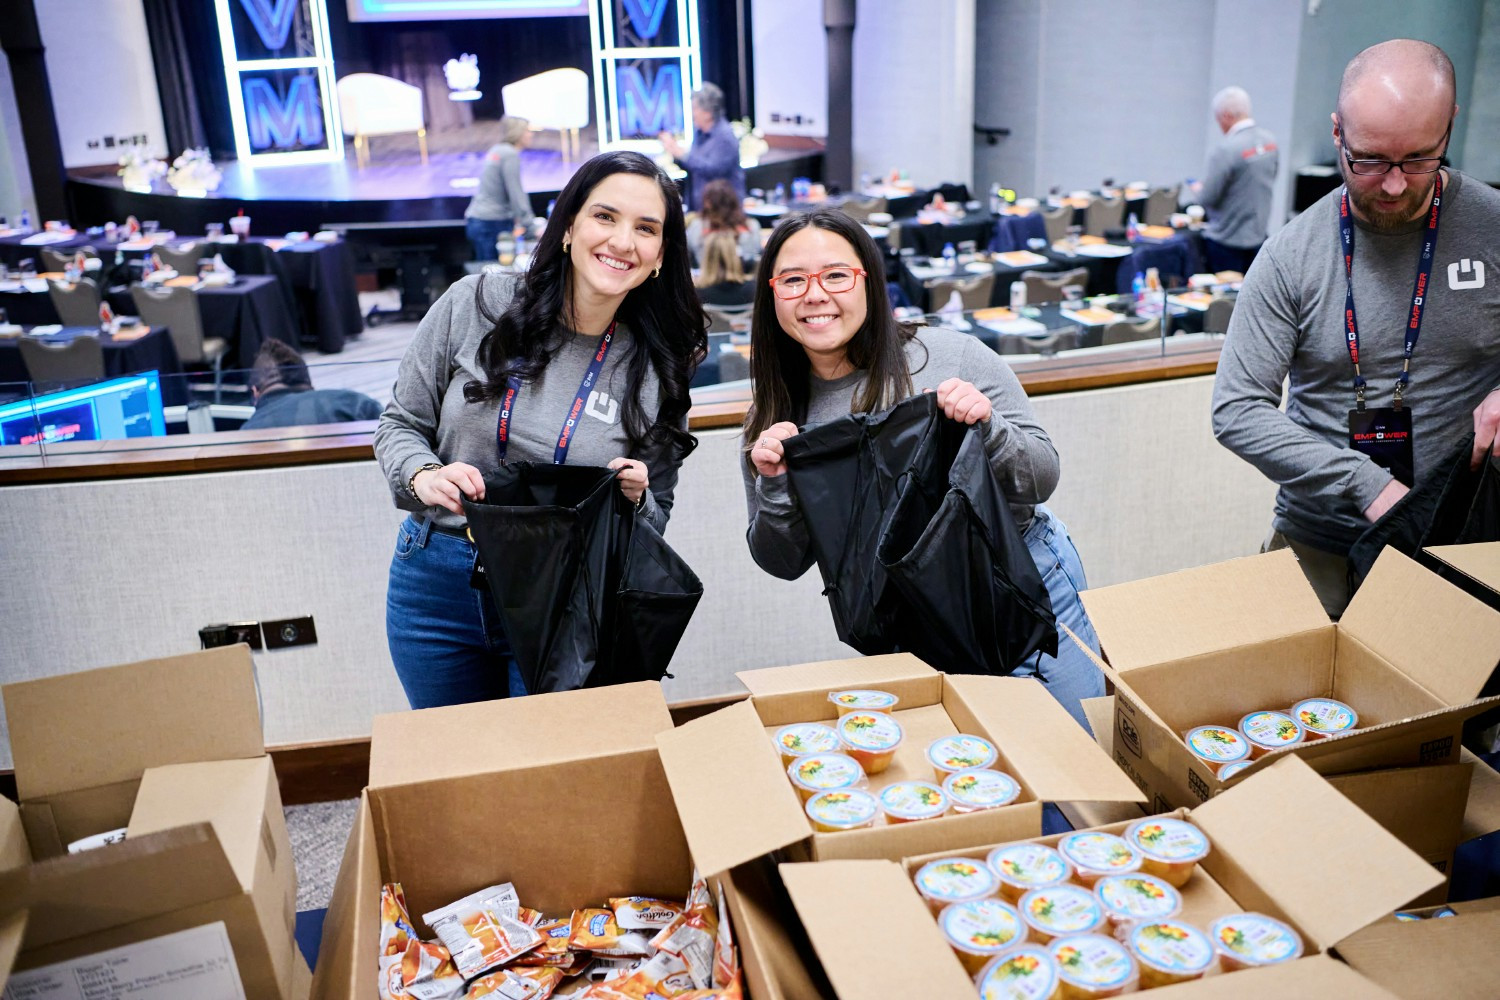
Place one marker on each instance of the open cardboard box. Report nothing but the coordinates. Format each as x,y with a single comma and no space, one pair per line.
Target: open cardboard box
1208,645
737,803
1453,957
172,750
1284,842
561,794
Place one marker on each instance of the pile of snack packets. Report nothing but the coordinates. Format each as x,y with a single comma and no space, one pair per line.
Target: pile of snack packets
490,946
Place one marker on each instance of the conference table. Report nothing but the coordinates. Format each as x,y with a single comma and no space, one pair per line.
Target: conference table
916,271
127,351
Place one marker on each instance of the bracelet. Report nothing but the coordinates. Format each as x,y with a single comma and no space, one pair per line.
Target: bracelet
411,484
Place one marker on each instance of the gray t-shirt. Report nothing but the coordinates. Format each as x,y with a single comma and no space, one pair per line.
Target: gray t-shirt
428,419
1289,320
1021,453
500,194
1237,187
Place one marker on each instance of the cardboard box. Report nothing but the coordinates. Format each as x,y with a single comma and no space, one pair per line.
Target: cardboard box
1284,843
1453,957
561,794
736,802
171,749
1208,645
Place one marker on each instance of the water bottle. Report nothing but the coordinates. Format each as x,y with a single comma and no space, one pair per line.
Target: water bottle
995,199
1132,228
1017,296
1138,288
778,197
25,220
950,258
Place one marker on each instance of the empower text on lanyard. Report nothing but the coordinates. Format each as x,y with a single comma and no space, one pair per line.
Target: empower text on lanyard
565,436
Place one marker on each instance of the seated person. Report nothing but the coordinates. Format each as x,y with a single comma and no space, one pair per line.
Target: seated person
722,282
723,211
284,396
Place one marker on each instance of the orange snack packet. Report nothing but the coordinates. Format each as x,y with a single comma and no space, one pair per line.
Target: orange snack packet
662,976
425,972
515,984
554,949
597,931
634,913
692,937
483,930
726,955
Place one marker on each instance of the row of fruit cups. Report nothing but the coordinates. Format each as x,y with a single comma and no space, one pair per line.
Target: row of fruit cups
1229,749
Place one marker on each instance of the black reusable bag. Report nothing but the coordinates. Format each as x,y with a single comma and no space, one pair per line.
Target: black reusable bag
917,548
589,593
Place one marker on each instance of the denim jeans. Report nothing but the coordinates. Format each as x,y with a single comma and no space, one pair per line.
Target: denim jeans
483,233
1070,675
446,638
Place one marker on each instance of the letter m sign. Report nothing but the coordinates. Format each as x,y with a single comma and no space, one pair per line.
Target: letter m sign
649,108
277,124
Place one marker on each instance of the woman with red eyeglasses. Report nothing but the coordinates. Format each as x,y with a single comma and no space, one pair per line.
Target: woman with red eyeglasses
823,344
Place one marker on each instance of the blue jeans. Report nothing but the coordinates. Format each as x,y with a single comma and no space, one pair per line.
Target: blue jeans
446,638
483,233
1070,675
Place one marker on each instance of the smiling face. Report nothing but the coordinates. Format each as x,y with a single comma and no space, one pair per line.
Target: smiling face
822,323
616,236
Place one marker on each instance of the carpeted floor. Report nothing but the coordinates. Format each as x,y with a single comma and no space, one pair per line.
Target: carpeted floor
318,832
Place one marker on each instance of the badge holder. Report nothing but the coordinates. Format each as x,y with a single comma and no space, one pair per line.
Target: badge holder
1385,434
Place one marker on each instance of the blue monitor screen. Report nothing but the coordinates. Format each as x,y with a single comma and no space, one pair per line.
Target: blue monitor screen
119,408
445,10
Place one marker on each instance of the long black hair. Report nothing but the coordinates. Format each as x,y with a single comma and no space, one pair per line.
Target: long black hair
780,372
665,318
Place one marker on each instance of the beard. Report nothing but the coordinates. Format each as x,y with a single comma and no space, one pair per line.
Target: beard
1411,204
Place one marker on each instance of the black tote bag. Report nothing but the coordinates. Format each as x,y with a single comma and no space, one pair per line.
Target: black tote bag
589,593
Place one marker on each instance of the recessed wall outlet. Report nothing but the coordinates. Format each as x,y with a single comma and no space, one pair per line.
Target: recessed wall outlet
229,633
285,632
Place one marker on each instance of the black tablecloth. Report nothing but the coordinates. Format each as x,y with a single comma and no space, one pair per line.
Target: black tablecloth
247,314
153,352
13,251
921,297
929,239
1102,270
322,281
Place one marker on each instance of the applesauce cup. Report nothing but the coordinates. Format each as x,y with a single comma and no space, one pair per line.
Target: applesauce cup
1251,940
948,754
1170,951
979,788
1094,855
1322,717
1136,898
1217,745
842,809
803,738
863,700
1028,973
954,880
1023,867
1169,848
909,801
825,772
1060,911
1231,769
1269,730
1093,966
870,738
977,931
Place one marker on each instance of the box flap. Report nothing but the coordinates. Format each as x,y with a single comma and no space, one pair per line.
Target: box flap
1329,866
1203,610
731,791
437,743
230,794
98,727
1479,561
12,930
856,671
1101,715
13,849
1454,957
1316,977
1052,752
349,946
1432,631
1482,813
872,932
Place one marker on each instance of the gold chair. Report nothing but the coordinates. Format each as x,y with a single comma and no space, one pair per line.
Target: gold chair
1160,204
1125,331
77,361
77,303
1102,214
1216,317
177,310
1042,286
973,292
1057,221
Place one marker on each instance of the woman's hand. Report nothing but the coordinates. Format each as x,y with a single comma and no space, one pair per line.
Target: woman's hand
632,477
767,455
962,402
447,486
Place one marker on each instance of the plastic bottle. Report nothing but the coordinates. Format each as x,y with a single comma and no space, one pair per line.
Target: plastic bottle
995,199
1138,288
779,197
950,257
1132,228
25,226
1017,296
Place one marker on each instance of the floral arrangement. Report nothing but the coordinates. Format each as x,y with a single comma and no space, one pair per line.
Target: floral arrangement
138,170
753,143
193,174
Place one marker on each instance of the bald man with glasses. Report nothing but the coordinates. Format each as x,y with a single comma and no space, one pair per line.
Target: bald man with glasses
1381,303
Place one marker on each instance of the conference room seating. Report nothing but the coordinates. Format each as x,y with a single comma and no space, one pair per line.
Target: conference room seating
1102,214
59,260
371,105
77,302
184,259
727,319
1056,220
557,99
1042,287
860,209
1160,204
177,310
1125,331
733,366
974,293
1216,317
79,360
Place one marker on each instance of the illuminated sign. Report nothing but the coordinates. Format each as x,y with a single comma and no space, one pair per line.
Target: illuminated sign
646,66
279,67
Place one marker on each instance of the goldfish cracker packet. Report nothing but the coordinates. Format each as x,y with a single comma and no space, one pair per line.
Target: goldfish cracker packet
483,929
693,936
598,931
425,972
661,976
639,913
554,948
515,984
395,933
726,955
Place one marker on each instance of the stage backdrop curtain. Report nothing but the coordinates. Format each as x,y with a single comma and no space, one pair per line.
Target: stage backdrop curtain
174,77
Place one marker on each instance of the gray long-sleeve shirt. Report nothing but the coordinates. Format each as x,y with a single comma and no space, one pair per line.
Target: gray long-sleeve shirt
1289,321
428,419
1021,454
715,156
500,194
1237,185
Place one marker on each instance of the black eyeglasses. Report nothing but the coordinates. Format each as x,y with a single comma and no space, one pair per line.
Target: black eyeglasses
1374,168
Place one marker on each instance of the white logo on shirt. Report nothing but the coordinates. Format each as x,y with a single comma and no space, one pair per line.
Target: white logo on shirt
1466,273
601,407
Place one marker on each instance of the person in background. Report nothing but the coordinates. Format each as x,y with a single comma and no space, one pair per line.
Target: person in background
723,211
1356,371
284,394
721,281
823,343
607,302
501,204
1236,185
715,153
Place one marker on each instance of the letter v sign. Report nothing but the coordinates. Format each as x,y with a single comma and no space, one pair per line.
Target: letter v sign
273,20
645,16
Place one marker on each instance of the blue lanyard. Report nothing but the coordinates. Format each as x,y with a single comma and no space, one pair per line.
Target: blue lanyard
565,437
1418,294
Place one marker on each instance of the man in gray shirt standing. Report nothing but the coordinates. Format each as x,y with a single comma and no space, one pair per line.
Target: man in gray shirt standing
1371,407
1236,185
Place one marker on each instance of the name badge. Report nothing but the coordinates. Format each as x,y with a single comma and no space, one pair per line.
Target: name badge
1385,434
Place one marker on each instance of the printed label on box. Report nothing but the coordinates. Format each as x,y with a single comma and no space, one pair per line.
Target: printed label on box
195,964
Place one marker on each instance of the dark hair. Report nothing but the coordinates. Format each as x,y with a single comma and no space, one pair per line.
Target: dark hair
722,208
780,372
278,365
663,313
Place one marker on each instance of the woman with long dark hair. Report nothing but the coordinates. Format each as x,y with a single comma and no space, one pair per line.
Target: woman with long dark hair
723,212
823,344
609,294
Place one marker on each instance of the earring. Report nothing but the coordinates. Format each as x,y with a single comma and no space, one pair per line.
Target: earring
656,273
565,244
